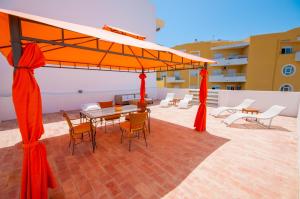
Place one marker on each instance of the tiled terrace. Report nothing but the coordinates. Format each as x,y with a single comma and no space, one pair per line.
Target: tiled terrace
243,161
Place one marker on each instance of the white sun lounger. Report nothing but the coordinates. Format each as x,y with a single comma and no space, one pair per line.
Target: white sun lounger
245,104
186,101
269,114
167,101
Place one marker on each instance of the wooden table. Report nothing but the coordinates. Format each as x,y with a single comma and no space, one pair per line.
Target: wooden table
250,110
175,101
93,115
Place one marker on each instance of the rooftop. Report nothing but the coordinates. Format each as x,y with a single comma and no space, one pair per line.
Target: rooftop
242,161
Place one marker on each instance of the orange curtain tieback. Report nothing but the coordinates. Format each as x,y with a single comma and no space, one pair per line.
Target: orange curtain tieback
30,145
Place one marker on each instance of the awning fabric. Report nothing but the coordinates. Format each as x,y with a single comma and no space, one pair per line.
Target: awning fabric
200,120
142,76
74,45
36,172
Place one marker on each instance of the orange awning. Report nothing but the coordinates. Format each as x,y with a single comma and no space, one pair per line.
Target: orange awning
76,46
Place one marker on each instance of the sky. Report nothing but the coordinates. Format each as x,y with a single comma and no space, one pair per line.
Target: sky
187,20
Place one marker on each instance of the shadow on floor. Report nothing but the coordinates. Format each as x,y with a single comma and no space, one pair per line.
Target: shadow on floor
173,152
256,126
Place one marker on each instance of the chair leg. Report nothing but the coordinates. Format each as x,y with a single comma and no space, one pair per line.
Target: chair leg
129,146
149,122
105,126
121,136
145,137
270,122
73,146
70,142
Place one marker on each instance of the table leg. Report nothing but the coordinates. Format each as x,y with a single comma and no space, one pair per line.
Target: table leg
149,122
93,135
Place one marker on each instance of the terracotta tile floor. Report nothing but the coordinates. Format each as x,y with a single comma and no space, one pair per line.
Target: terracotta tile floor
243,161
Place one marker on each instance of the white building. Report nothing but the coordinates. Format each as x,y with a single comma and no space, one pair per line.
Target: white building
60,87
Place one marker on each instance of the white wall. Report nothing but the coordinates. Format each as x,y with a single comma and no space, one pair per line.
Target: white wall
264,99
60,87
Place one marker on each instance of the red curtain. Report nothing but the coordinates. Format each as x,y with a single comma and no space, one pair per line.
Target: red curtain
36,173
142,76
200,120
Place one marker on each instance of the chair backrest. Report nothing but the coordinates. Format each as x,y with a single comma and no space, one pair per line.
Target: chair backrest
246,103
65,115
106,104
137,120
188,97
142,106
170,96
272,112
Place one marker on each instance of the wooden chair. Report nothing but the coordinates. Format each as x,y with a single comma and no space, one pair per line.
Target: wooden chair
78,131
133,127
110,118
143,108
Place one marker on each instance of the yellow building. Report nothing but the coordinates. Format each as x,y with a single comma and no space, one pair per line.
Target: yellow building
260,62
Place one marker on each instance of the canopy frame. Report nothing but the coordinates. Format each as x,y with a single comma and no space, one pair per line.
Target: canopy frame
167,64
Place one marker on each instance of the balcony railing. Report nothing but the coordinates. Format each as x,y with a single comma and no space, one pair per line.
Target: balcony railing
236,77
174,80
297,56
233,60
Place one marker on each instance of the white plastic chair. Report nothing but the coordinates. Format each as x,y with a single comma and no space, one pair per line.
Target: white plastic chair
245,104
269,114
186,101
167,100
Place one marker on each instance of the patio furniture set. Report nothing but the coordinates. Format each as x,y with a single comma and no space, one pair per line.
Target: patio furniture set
26,41
244,111
137,120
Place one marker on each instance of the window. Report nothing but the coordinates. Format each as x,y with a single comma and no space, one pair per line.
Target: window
217,72
216,87
177,75
286,87
286,50
163,74
194,73
288,70
231,72
229,87
218,55
238,87
232,56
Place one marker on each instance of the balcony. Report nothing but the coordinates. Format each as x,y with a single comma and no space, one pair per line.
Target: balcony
231,61
231,46
297,56
174,80
237,77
